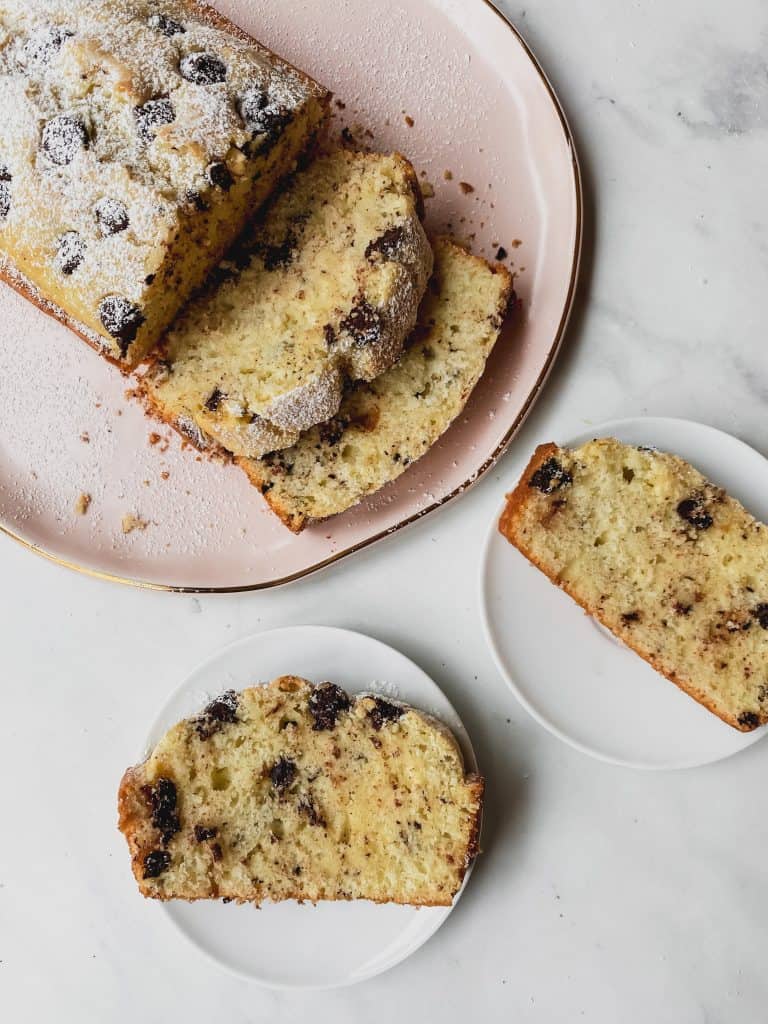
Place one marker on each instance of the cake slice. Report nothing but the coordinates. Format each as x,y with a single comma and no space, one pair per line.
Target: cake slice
386,425
136,138
665,559
323,290
290,791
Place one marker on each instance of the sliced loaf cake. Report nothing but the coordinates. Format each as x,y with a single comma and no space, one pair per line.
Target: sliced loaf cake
324,289
294,791
384,426
665,559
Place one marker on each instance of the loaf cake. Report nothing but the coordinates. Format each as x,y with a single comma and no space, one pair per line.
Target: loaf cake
324,289
290,791
136,137
382,427
665,559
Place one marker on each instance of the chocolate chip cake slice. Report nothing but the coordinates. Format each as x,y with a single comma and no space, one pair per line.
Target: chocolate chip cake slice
291,791
324,289
136,138
665,559
386,425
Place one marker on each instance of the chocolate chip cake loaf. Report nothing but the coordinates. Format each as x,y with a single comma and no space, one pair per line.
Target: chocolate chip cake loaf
136,137
291,791
665,559
384,426
324,289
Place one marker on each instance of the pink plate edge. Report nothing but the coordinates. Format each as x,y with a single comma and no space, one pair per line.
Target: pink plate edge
461,488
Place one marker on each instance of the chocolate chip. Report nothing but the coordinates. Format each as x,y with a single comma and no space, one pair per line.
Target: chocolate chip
693,510
682,609
550,476
42,45
389,244
151,115
156,862
332,431
329,334
260,115
213,401
162,23
749,720
122,319
203,833
219,176
761,614
163,799
203,69
501,253
326,702
363,324
70,252
62,139
216,851
111,215
306,806
220,711
629,617
282,773
196,200
279,255
5,191
383,711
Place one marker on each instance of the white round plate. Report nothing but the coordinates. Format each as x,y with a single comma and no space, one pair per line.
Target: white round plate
572,675
288,945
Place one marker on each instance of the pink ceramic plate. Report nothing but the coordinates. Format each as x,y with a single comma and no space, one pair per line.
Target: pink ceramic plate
450,84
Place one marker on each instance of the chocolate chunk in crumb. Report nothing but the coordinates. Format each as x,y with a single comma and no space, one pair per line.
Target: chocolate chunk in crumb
326,703
151,115
221,711
216,851
383,711
332,431
162,23
749,720
261,115
388,244
122,319
214,400
501,253
219,176
70,252
155,863
280,254
363,324
163,800
203,69
282,773
62,139
111,215
550,477
42,45
761,614
694,511
203,833
629,617
5,191
307,807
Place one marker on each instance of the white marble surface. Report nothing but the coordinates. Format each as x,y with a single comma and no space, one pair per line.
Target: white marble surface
603,894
